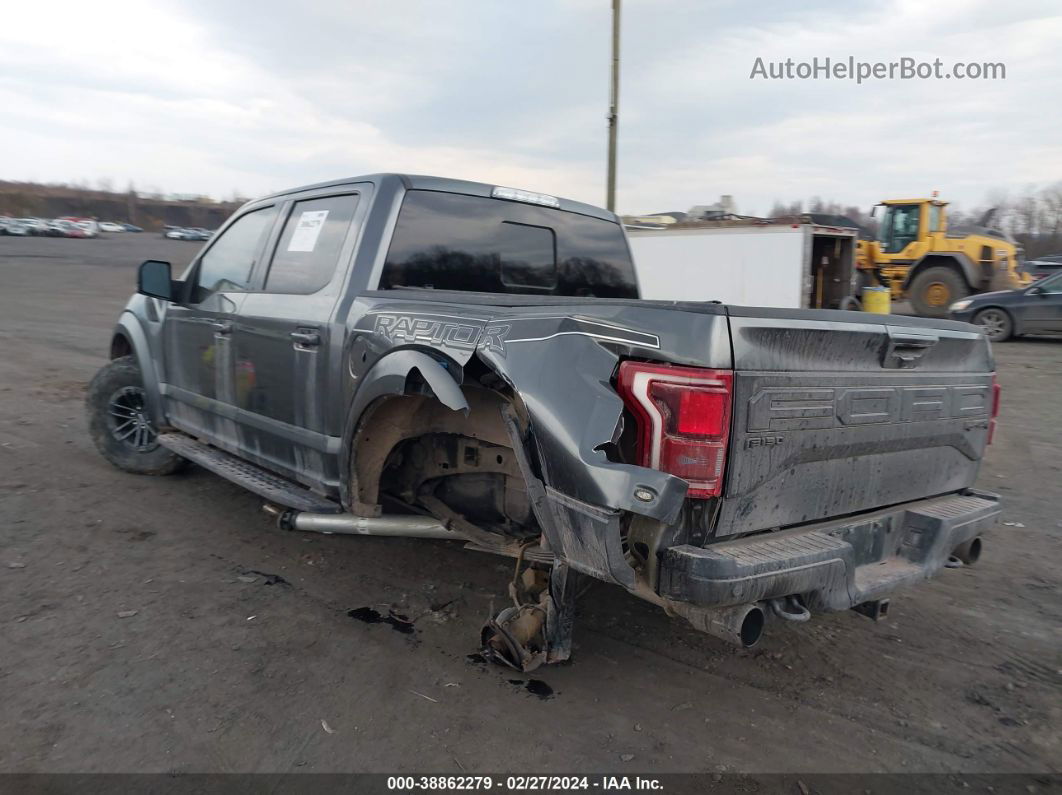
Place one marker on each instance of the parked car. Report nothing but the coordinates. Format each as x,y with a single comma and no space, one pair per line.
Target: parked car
438,358
111,226
175,233
1012,313
91,227
1043,266
4,222
19,228
132,228
36,226
64,227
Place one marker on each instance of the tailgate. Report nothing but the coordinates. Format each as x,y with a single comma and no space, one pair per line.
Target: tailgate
835,413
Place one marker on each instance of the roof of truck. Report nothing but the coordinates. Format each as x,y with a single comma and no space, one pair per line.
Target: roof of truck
447,185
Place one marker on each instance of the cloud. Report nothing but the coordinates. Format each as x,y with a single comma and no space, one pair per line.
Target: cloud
211,97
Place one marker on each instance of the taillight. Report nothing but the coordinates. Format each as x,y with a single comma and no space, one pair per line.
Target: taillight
683,416
996,392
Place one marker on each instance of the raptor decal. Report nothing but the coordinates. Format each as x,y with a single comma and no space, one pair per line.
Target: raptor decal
442,332
495,335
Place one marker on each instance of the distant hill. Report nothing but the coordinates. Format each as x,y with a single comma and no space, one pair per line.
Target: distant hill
29,199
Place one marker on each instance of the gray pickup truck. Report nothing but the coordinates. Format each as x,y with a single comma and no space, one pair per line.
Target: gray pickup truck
416,356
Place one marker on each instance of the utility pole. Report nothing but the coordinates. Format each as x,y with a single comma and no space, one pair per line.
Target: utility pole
613,108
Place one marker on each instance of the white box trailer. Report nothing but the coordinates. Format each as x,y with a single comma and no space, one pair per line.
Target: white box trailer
792,266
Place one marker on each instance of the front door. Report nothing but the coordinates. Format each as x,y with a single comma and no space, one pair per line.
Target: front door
199,385
287,374
1043,310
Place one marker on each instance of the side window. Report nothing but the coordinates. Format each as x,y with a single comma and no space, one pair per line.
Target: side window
934,217
227,264
1052,284
309,246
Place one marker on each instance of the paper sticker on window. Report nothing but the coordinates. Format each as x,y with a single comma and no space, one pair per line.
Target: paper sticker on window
307,230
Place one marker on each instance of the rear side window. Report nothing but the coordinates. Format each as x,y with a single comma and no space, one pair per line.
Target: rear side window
452,241
308,250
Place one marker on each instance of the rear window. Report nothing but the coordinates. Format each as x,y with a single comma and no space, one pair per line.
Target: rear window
451,241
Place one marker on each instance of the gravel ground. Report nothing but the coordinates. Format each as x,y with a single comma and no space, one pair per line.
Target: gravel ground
164,624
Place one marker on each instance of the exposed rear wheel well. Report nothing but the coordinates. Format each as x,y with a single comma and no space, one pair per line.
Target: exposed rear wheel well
414,450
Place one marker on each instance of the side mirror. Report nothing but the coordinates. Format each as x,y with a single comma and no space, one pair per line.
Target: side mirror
1036,291
153,279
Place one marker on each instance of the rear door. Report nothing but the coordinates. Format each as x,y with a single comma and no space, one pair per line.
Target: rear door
285,364
197,333
834,417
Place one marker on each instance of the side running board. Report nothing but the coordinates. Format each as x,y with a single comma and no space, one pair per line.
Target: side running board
253,478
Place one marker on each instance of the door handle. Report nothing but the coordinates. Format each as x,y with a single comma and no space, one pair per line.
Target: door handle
905,349
306,338
221,327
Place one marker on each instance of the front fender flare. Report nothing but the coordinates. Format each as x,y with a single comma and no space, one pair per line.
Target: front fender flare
966,267
129,327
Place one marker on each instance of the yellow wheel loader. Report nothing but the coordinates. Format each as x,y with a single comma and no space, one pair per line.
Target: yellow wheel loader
919,258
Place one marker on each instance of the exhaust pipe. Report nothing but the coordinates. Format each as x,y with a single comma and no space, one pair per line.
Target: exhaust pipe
399,526
968,552
741,625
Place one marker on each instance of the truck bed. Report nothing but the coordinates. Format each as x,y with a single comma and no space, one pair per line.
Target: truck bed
834,412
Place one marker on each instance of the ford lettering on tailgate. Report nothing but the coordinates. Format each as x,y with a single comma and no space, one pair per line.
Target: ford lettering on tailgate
799,409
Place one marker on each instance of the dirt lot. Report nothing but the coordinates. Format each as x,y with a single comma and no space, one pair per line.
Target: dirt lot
225,667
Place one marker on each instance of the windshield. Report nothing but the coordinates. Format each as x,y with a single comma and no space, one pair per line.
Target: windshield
899,227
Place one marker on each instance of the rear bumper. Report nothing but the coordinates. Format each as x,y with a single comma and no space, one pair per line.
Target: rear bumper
834,565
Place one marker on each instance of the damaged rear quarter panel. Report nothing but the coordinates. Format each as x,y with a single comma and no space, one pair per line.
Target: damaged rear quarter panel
559,360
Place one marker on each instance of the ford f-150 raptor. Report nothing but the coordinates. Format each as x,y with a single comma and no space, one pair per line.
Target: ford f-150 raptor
417,356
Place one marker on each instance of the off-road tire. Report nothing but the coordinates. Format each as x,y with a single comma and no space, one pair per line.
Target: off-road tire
940,280
997,324
111,405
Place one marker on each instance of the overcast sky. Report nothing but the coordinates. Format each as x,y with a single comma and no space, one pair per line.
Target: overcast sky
213,96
